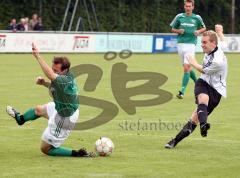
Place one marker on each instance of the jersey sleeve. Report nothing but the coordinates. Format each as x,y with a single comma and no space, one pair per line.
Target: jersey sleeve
200,22
175,22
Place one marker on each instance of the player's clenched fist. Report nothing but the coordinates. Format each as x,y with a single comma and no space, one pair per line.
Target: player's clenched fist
40,81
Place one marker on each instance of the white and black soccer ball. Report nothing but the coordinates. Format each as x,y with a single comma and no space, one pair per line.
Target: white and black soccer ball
104,146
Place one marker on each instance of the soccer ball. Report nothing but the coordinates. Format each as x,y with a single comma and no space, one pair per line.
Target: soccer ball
104,146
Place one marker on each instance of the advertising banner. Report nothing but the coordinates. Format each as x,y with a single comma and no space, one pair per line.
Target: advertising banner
135,43
100,43
21,42
164,43
168,43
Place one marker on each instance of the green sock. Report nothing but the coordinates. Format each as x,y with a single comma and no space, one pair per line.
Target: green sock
30,115
193,75
185,80
60,151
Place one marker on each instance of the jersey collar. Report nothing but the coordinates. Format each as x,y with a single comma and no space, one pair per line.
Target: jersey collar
215,49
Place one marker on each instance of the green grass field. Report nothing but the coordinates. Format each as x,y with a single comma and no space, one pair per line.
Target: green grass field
138,153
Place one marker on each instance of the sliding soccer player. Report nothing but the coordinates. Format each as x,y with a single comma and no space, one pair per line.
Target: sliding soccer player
62,113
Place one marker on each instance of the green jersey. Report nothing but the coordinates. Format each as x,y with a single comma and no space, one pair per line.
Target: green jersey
190,24
65,94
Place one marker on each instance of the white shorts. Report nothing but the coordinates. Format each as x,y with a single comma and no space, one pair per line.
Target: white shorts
184,49
59,128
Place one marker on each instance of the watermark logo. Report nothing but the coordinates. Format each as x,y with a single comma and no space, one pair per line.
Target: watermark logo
120,76
142,125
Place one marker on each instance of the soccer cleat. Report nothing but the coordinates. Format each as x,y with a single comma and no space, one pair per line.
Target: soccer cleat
171,144
179,95
204,128
83,153
14,113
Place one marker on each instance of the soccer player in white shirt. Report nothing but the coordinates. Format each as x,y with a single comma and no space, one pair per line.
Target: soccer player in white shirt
209,88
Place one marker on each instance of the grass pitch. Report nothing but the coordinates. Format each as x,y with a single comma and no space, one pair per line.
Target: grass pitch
139,152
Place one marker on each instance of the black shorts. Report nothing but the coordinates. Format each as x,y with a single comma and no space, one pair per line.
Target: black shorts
214,97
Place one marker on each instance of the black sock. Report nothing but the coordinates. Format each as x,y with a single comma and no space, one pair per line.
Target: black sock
20,120
74,153
186,130
202,113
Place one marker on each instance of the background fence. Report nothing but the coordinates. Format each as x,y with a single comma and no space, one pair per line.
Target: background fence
88,42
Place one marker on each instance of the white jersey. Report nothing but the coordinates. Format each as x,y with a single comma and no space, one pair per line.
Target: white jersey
215,70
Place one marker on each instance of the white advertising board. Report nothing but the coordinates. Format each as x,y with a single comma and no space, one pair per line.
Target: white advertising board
21,42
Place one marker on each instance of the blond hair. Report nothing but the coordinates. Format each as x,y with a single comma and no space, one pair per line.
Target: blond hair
212,36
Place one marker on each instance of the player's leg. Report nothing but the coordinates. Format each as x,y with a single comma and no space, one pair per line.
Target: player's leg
62,151
187,129
191,51
30,115
193,75
186,77
52,151
202,112
191,125
207,101
182,51
203,96
57,132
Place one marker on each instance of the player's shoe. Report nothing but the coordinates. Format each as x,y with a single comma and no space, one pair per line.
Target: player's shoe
171,144
14,113
84,153
204,129
179,95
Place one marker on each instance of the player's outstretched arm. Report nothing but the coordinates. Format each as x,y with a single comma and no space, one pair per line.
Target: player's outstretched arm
45,68
219,31
193,62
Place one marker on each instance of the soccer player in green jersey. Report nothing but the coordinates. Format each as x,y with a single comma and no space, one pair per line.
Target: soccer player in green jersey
62,113
188,26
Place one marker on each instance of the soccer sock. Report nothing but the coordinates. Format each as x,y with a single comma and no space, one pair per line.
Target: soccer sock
60,151
185,80
186,130
193,75
29,115
202,113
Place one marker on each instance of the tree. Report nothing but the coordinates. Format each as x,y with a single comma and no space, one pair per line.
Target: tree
120,15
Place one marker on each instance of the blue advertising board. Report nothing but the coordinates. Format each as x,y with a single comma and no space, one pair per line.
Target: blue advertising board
164,43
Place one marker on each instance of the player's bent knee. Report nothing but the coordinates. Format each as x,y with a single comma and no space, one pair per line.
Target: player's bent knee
39,110
45,148
203,99
186,68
